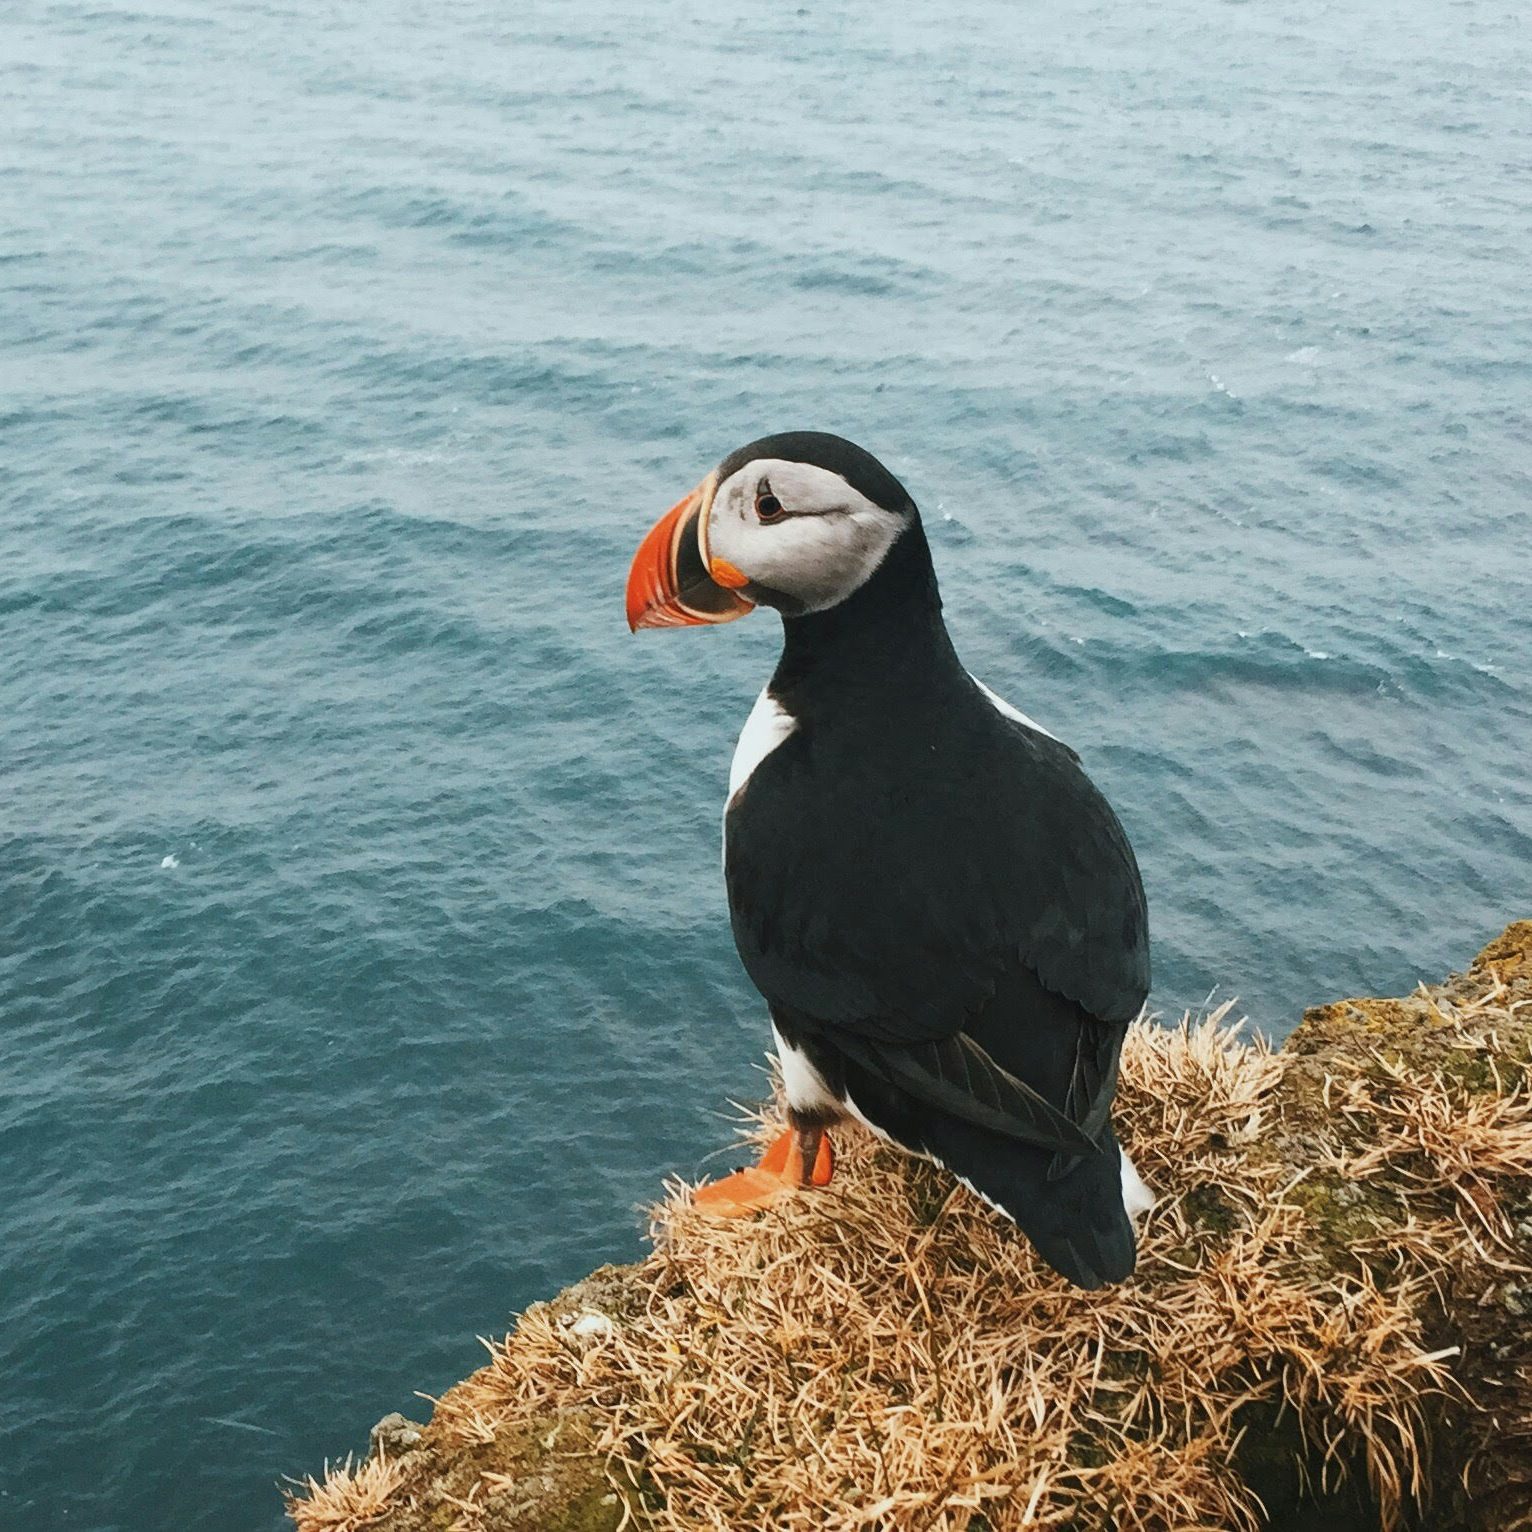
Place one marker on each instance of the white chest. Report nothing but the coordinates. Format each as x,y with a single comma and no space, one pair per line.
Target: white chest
767,726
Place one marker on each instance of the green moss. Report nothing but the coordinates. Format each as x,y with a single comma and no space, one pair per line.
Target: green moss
557,1483
1472,1071
596,1510
1343,1211
1209,1208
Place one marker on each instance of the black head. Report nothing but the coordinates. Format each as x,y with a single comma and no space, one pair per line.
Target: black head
800,521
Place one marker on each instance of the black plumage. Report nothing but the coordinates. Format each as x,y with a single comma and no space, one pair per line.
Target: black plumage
942,912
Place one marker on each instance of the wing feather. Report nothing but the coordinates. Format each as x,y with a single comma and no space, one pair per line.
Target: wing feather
964,919
893,903
957,1075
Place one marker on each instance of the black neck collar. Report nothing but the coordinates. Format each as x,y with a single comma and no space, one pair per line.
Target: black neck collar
889,630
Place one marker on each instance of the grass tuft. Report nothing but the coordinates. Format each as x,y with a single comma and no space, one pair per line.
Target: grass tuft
350,1496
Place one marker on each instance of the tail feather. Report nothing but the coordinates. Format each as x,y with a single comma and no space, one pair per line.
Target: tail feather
1076,1219
1078,1222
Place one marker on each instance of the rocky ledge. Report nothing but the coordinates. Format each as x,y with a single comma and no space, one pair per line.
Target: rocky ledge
1330,1327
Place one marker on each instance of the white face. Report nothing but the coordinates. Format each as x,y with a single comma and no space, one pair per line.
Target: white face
800,530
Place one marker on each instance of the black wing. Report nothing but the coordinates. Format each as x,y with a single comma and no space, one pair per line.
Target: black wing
943,907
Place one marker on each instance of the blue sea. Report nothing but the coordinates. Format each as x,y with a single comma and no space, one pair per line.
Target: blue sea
364,964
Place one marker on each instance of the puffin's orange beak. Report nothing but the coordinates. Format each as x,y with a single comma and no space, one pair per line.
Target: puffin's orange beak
672,583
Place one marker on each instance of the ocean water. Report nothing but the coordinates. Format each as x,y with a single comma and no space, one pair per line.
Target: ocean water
364,963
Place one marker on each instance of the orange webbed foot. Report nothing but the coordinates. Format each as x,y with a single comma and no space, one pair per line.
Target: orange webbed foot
779,1174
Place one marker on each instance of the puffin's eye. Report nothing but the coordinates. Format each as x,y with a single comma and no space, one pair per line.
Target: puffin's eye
767,507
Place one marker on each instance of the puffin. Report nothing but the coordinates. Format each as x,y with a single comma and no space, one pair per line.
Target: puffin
940,909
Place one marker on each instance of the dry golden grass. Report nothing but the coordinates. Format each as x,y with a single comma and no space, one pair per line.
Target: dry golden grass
890,1355
1423,1128
348,1498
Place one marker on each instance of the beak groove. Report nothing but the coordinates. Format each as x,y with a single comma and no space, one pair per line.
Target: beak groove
669,585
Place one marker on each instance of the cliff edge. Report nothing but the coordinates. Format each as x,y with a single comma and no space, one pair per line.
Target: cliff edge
1330,1327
